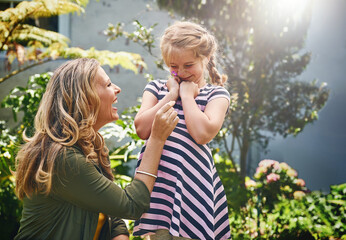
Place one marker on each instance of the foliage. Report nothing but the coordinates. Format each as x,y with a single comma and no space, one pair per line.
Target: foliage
261,44
10,206
26,100
32,46
124,133
141,34
275,181
237,194
280,207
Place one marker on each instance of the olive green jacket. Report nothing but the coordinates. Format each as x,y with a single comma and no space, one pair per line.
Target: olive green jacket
79,193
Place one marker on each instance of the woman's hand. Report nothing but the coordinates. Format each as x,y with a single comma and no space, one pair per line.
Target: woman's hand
121,237
164,122
173,86
188,89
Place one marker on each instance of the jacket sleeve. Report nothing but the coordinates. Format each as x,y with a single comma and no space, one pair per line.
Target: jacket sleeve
118,227
77,181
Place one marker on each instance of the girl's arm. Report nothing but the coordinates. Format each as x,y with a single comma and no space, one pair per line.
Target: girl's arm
202,126
150,105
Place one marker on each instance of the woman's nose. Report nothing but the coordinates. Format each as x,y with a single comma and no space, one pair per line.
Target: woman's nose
117,89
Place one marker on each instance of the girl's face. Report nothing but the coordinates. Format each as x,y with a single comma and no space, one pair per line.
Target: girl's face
107,92
187,66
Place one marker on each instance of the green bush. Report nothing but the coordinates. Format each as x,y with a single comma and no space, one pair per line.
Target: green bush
280,207
10,206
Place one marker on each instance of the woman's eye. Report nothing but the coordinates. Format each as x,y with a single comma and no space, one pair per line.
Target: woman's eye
174,67
109,84
190,65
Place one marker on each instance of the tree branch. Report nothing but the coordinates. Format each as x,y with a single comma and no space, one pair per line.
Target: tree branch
24,68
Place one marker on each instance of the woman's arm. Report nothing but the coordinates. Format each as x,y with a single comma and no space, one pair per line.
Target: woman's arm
77,181
202,126
149,107
165,121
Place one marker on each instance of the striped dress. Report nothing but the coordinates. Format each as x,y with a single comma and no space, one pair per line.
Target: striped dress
188,198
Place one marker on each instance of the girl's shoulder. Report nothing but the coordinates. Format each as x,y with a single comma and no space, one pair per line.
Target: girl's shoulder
210,89
158,82
156,85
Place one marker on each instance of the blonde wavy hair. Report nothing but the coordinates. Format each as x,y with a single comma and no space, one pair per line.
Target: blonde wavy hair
66,115
191,36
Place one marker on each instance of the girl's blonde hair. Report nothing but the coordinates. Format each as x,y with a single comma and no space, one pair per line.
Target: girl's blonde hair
191,36
66,115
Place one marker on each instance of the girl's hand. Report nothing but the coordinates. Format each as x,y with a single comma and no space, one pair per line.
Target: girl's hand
188,89
173,86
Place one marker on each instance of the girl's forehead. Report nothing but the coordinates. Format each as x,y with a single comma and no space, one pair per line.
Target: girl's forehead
182,55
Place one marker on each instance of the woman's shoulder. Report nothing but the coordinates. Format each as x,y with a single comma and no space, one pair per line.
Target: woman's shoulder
72,156
74,150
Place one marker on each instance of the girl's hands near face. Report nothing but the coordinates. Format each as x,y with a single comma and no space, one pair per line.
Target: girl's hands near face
173,86
188,89
164,122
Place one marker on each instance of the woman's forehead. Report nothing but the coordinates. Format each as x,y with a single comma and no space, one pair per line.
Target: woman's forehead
101,76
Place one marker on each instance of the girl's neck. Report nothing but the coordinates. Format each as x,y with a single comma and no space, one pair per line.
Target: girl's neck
202,83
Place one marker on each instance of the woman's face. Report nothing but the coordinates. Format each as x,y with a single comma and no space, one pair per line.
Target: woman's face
187,66
107,92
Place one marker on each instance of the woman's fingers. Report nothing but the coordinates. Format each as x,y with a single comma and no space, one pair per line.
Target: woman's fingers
165,121
165,108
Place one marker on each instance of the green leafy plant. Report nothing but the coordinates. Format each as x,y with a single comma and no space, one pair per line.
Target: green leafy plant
26,100
275,181
10,206
31,45
280,207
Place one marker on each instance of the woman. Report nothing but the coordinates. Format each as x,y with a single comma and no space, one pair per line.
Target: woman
63,173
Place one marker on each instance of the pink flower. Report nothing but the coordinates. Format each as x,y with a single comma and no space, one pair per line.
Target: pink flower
292,173
269,163
298,195
260,171
273,177
250,183
284,166
300,182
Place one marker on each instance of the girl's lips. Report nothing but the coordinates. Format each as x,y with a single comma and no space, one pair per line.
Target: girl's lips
185,79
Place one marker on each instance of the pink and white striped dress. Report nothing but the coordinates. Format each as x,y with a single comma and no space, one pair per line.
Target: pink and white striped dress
188,198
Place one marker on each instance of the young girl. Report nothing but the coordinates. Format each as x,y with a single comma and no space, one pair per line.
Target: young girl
188,199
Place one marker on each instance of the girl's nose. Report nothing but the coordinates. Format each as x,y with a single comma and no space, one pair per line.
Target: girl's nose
181,73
